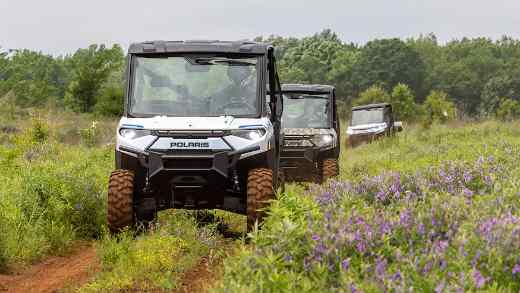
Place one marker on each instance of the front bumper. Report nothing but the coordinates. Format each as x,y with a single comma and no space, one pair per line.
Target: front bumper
356,139
187,161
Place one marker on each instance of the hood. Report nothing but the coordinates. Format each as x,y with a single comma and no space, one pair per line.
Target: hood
193,123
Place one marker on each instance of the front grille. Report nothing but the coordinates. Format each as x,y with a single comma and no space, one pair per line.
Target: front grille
188,163
292,154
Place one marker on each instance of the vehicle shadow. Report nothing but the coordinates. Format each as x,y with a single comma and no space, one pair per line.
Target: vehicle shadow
208,218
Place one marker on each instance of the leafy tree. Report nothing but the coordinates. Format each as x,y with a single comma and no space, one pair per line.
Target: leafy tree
372,95
496,88
322,58
110,101
468,65
403,103
388,62
32,77
438,108
341,73
92,67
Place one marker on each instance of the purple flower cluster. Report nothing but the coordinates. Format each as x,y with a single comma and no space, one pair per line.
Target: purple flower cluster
454,178
390,224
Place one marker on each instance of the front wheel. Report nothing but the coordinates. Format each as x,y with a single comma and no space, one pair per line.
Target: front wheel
329,169
260,192
120,207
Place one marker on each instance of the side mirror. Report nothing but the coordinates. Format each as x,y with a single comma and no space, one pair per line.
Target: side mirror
398,125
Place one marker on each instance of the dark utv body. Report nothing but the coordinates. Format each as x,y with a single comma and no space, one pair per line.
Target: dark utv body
187,160
370,122
311,131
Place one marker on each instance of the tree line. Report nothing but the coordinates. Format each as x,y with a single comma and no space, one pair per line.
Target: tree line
471,77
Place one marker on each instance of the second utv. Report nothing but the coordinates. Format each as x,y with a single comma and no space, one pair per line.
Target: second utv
311,131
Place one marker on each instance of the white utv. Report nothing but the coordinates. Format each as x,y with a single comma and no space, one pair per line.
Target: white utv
201,130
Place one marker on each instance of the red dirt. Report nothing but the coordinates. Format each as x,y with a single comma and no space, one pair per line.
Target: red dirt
200,278
54,273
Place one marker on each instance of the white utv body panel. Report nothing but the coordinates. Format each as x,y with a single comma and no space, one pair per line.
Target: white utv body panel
372,128
193,124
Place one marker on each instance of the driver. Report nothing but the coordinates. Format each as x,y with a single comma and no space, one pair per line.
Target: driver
242,90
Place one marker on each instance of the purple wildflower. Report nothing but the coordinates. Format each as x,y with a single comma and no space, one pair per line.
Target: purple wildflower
516,269
475,259
467,176
440,287
396,277
381,267
345,264
315,237
353,289
427,267
480,280
361,247
468,192
443,264
405,218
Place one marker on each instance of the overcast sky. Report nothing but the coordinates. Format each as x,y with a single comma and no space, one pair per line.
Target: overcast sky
62,26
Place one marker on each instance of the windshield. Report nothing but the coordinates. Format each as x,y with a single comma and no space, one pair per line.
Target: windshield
306,111
196,86
368,116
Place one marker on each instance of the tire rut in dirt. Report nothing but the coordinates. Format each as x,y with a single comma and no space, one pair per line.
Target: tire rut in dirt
120,213
330,169
259,192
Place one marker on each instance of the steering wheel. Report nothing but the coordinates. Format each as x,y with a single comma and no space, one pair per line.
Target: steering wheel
237,103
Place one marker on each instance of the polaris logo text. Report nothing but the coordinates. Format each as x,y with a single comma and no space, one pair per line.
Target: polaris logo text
189,145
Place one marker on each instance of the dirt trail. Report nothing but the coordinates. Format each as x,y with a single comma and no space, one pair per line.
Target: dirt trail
201,278
54,273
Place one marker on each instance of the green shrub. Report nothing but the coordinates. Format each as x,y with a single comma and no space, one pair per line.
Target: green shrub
403,103
372,95
110,101
508,109
437,108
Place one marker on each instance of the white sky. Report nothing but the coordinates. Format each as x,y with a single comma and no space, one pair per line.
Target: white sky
62,26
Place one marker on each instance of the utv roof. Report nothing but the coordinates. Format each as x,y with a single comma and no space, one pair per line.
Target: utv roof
203,46
307,88
371,106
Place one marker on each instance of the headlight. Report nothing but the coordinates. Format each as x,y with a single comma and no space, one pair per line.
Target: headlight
132,133
250,134
323,140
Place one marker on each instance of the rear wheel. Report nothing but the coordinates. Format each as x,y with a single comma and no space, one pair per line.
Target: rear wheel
259,192
329,169
120,213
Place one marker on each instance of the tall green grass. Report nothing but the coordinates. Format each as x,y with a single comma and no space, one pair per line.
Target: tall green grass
51,193
156,259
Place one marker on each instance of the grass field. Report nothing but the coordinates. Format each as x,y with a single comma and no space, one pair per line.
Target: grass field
428,210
